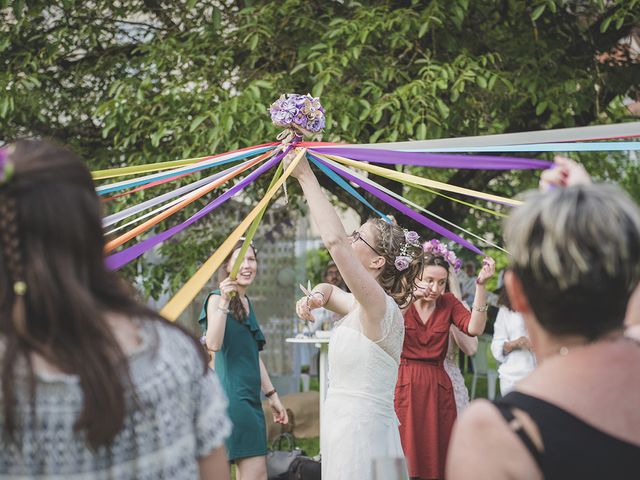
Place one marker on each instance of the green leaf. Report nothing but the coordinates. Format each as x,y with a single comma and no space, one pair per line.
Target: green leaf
4,106
605,24
374,138
423,29
421,131
540,108
253,43
344,122
539,10
155,138
552,6
263,84
197,121
298,67
317,89
442,108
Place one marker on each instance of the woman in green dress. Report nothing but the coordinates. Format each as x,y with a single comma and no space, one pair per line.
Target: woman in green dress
233,333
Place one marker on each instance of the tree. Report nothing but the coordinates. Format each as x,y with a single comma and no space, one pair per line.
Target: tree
137,82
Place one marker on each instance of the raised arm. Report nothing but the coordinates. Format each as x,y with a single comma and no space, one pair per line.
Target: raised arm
366,290
480,307
217,310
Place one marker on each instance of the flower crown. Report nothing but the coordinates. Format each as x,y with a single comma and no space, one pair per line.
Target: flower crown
411,239
438,248
301,113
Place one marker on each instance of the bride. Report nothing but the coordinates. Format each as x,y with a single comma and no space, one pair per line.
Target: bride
379,263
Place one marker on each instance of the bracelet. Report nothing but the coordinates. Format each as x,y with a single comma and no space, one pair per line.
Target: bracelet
482,308
270,393
312,293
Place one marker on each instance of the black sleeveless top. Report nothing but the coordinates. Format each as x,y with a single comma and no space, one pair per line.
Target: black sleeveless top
572,447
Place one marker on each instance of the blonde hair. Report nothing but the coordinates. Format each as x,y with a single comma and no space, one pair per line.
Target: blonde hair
576,251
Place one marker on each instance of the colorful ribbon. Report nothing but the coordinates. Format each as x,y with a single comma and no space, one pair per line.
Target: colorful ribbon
127,255
221,160
413,179
152,167
377,186
128,212
597,132
187,293
473,162
192,197
430,224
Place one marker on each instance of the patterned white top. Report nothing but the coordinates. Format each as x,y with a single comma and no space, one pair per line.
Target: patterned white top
179,416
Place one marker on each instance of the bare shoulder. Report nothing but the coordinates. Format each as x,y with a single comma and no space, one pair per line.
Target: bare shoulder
483,446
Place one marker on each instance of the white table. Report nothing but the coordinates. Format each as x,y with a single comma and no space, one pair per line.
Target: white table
323,345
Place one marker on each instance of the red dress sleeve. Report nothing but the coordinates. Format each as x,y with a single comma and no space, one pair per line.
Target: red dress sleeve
460,316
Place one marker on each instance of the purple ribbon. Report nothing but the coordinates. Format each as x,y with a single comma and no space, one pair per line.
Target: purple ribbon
118,260
436,160
430,224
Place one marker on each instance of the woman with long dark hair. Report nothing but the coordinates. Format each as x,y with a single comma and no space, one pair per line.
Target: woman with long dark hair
94,384
233,334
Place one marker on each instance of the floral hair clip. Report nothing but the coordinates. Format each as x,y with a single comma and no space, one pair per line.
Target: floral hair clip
6,166
436,247
402,261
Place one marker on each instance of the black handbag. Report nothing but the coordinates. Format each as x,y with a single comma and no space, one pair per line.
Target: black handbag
279,460
304,468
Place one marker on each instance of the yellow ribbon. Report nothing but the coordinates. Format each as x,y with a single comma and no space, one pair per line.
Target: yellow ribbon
189,290
252,229
136,169
457,200
415,180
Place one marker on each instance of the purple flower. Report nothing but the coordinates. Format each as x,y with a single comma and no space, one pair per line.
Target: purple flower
458,265
402,262
289,104
282,117
411,237
315,125
302,111
301,120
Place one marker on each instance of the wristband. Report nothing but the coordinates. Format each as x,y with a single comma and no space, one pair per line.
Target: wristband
270,393
312,293
482,308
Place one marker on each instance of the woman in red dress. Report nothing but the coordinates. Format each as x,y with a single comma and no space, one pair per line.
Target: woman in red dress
424,398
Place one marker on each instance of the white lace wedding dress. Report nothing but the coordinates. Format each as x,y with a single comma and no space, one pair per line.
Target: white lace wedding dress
359,421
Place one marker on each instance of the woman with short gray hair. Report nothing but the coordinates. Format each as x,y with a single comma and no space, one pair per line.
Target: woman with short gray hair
575,262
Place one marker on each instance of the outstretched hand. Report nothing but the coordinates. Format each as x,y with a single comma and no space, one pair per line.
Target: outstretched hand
487,271
564,173
302,168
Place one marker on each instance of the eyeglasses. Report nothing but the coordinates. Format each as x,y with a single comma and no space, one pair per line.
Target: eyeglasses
356,235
